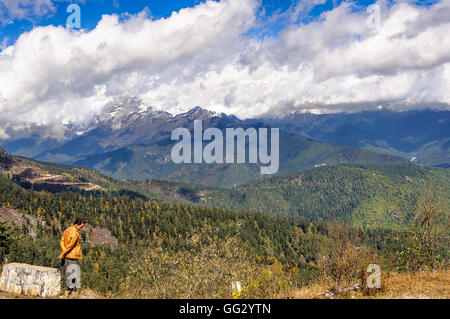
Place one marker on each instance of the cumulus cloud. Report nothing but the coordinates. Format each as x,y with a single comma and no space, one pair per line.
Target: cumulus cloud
11,10
206,56
16,131
31,10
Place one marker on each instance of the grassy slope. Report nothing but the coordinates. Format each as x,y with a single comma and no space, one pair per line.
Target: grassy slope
423,285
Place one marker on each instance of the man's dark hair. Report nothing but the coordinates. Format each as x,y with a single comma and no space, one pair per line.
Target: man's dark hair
79,221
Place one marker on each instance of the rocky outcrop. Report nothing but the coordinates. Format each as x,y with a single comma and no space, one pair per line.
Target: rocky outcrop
20,220
94,235
30,280
100,236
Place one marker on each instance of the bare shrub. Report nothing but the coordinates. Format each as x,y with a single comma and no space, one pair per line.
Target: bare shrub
205,271
344,262
427,244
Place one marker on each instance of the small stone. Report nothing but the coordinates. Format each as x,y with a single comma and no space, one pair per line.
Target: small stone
329,295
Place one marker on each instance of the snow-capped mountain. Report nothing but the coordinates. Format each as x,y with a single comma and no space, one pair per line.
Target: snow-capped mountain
125,111
129,139
198,113
125,122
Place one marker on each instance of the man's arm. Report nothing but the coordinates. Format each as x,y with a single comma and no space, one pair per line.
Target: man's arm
70,245
61,244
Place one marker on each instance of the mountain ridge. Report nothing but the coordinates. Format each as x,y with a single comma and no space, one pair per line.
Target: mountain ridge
421,135
130,140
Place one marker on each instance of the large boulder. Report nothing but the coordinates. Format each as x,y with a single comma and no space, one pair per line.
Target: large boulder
30,280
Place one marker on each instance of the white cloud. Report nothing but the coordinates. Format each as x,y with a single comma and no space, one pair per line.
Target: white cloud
11,10
202,56
31,10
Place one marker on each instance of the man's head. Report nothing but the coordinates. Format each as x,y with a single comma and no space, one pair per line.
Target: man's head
79,223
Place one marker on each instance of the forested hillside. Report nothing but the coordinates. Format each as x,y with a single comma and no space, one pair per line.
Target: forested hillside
143,226
422,134
153,161
361,195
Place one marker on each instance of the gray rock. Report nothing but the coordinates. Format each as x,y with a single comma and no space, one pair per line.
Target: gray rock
30,280
18,219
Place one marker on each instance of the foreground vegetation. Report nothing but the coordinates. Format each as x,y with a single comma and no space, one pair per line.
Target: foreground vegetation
432,284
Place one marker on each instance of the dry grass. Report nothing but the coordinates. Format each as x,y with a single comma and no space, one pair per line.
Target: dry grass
313,291
423,285
85,294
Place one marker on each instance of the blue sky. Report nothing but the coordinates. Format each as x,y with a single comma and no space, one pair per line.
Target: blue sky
92,11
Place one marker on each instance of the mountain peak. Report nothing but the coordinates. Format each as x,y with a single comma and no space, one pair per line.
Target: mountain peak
196,109
126,110
199,113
